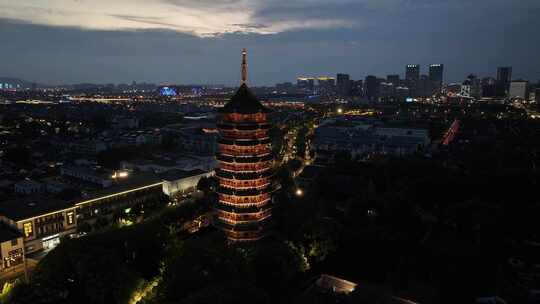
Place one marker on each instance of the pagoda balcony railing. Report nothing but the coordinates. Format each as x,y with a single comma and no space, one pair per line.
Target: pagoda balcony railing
243,183
244,208
239,200
243,226
243,175
244,142
243,159
244,134
235,117
244,192
243,151
246,217
248,126
243,236
246,167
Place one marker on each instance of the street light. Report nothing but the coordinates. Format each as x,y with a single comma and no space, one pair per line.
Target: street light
339,110
299,192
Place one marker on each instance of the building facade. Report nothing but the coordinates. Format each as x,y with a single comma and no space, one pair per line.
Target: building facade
519,89
343,85
436,76
412,77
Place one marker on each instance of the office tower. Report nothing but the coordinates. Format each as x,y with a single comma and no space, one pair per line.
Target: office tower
519,89
343,85
436,76
306,84
424,87
402,93
488,87
244,209
412,72
357,87
504,75
386,91
371,87
412,76
327,85
393,79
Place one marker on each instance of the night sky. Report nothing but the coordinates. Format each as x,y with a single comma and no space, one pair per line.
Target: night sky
199,41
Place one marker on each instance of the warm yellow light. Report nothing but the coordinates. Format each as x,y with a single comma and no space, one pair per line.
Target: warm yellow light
299,192
340,110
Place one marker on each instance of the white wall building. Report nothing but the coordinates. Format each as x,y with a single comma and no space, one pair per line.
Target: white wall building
519,89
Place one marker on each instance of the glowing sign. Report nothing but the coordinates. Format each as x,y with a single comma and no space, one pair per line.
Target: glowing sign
408,99
167,91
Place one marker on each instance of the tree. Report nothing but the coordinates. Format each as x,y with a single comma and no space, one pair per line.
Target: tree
229,292
207,184
202,262
276,264
19,155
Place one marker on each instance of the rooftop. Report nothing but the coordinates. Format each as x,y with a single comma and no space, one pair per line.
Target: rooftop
177,174
24,208
8,234
244,102
131,183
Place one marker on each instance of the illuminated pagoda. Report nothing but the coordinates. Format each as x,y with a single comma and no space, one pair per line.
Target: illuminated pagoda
244,209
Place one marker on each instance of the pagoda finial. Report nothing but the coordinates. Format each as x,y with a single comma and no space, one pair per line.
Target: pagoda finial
244,66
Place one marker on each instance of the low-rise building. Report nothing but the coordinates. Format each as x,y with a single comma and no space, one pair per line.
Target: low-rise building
87,147
102,178
11,249
179,181
42,221
135,190
28,187
360,138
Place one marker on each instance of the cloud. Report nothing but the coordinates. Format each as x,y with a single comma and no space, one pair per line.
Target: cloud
199,17
160,40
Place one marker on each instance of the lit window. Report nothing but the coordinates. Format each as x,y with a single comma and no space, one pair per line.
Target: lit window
28,229
70,218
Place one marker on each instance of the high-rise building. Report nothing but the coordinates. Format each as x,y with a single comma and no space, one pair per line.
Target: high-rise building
244,209
424,87
537,95
436,76
358,88
306,84
326,85
343,85
326,82
412,76
393,79
412,72
488,87
387,91
519,89
504,75
371,87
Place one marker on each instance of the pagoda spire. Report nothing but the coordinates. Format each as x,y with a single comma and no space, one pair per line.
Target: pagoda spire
244,66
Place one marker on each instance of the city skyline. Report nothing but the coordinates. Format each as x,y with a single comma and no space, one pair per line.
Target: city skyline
286,40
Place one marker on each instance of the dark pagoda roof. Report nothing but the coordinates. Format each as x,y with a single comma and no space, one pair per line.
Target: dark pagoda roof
244,102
